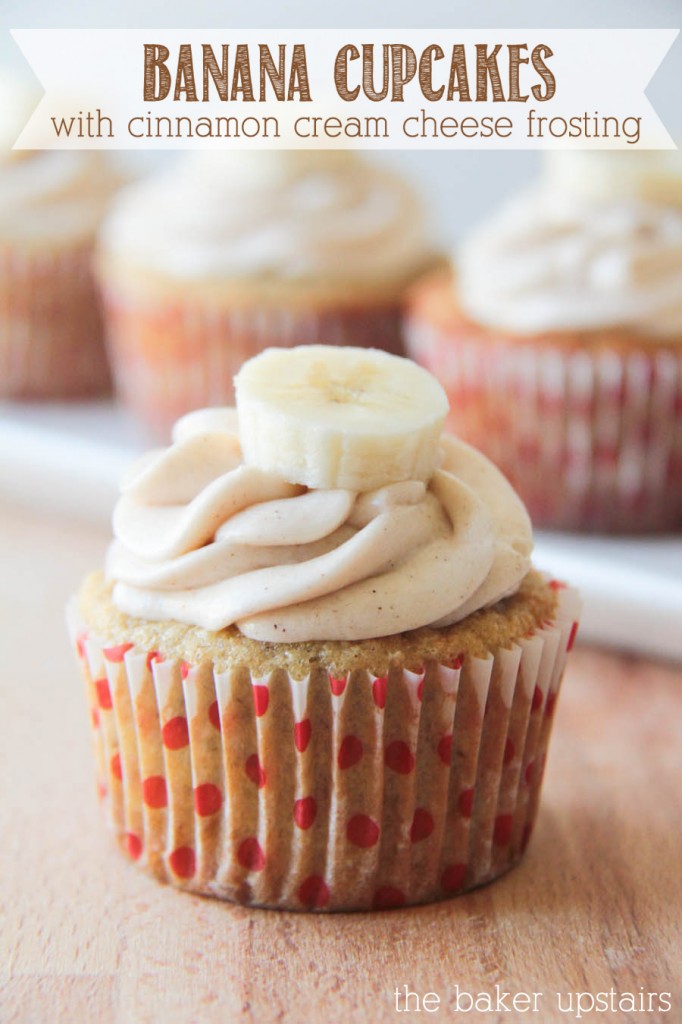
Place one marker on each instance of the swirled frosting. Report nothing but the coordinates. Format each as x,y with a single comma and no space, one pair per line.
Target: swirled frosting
290,215
554,261
204,539
53,195
46,196
50,195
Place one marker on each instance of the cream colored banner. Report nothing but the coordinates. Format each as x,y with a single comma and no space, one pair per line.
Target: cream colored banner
378,89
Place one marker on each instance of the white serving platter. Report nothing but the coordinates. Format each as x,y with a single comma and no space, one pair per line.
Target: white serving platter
67,458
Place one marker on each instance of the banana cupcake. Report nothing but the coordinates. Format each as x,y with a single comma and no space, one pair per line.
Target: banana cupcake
51,203
559,341
228,254
320,668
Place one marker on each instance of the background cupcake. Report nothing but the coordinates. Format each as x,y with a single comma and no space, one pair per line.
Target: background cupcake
51,203
560,341
319,682
230,253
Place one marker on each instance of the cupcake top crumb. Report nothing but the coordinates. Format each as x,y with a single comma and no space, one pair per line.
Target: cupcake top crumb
481,633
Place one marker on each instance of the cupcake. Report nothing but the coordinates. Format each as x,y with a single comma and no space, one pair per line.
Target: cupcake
320,668
559,342
51,203
228,254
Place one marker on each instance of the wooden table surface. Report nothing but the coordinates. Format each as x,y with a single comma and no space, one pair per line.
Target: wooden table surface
596,906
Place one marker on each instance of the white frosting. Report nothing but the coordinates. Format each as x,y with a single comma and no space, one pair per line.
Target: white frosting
203,539
53,195
283,215
650,175
46,195
553,260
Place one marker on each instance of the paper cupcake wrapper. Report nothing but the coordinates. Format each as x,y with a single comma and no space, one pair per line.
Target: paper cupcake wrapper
591,437
325,793
51,334
173,357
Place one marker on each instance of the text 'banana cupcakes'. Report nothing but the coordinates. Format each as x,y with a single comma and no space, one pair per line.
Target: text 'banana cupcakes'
320,668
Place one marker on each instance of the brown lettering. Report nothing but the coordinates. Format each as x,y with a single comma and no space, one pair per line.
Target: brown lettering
212,71
487,70
157,79
515,62
184,80
538,56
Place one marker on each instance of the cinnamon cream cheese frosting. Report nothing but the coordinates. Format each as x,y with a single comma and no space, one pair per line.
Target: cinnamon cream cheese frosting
557,259
205,539
271,215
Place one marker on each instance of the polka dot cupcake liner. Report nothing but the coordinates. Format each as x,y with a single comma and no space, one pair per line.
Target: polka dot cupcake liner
325,793
51,334
589,435
171,357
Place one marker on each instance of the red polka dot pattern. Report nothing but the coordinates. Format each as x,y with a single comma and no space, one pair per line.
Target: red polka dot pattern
305,811
399,758
250,854
422,825
350,752
80,644
94,717
154,792
302,734
502,831
337,685
509,752
453,877
103,693
214,715
254,770
183,862
314,892
549,706
387,897
465,802
362,831
185,669
208,799
379,688
529,772
572,636
175,733
536,703
154,657
116,654
420,690
116,769
261,700
445,750
457,662
133,846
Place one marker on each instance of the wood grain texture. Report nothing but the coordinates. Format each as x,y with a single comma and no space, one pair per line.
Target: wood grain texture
596,904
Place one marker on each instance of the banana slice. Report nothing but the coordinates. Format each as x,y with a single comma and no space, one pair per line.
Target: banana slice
650,175
348,418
